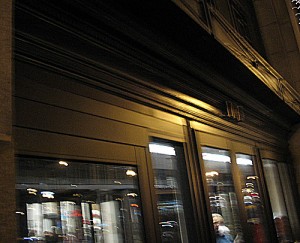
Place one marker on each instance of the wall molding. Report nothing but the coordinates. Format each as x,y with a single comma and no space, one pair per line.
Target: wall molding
191,90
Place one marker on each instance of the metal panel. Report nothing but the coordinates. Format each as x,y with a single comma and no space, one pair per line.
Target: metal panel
98,103
43,143
270,154
198,184
147,196
238,147
207,139
241,136
55,119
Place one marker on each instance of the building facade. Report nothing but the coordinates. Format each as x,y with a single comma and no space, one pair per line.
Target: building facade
159,121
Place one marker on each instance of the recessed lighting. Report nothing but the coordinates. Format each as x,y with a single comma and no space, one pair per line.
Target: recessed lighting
63,163
216,157
47,194
32,191
211,173
130,173
242,161
161,149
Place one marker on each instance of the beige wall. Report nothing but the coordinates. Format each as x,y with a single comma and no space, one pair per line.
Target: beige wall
7,178
280,38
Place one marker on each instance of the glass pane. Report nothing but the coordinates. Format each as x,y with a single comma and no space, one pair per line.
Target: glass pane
61,201
294,220
280,214
171,187
252,198
222,196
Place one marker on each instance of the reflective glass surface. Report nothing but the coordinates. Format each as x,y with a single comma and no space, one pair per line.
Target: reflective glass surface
252,198
66,201
222,196
172,193
280,214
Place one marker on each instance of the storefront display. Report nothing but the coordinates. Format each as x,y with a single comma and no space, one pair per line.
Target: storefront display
78,202
139,122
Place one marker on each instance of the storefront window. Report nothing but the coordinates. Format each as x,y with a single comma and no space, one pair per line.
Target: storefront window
67,201
222,196
172,193
277,199
289,196
252,198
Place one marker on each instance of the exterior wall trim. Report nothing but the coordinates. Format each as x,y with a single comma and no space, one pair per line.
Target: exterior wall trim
244,52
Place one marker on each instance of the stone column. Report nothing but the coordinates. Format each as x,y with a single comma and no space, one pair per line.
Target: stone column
7,165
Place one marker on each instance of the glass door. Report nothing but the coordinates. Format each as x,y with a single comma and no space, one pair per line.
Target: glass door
277,198
173,201
222,195
252,198
234,197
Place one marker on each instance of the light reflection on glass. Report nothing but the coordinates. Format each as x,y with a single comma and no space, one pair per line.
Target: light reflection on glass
173,201
222,196
84,202
161,149
131,173
63,163
279,209
252,200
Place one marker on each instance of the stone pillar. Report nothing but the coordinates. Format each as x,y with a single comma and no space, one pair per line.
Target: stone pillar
7,165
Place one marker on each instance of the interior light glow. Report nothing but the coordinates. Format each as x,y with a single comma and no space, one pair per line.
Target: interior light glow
131,194
21,213
242,161
130,173
247,190
216,157
32,191
249,184
47,194
161,149
63,163
252,177
211,173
